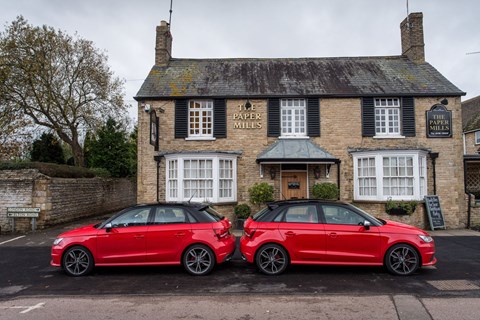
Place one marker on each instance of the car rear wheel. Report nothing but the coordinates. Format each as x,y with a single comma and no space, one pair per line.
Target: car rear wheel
271,259
402,260
77,261
198,260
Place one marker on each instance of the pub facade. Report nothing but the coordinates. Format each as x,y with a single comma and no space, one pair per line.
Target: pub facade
380,128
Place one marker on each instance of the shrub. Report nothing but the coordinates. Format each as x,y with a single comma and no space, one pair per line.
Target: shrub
242,211
326,190
407,206
261,193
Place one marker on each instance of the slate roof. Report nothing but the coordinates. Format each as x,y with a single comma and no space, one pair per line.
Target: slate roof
471,114
348,77
473,124
295,150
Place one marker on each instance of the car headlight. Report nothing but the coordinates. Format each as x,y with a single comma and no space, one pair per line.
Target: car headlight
427,239
57,241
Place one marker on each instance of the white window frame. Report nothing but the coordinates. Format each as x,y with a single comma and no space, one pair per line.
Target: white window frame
477,137
293,108
218,176
388,122
420,174
205,121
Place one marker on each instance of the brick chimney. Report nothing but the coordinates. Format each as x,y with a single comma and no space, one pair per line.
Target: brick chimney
413,45
163,44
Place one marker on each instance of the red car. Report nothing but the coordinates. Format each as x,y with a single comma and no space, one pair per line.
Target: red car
193,235
321,232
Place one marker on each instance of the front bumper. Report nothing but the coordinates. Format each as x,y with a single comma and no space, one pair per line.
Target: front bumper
247,249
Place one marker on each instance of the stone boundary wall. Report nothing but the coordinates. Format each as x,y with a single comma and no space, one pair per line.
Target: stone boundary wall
60,200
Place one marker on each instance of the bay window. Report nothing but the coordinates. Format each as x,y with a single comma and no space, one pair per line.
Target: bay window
399,175
201,178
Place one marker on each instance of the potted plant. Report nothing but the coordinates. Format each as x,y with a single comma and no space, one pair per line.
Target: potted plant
326,191
393,207
242,212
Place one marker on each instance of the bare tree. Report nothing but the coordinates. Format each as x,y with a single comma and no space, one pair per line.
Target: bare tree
58,82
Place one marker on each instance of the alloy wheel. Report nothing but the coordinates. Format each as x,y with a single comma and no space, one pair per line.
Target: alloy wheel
272,260
77,261
198,260
402,260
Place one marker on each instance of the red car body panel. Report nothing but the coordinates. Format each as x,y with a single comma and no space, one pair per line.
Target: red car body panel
146,245
332,244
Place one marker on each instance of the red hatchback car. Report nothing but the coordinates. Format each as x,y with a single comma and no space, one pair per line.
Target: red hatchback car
193,235
320,232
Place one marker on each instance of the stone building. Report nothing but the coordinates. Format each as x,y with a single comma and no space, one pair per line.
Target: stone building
471,145
380,128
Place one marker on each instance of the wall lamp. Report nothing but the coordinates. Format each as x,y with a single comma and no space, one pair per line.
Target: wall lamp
272,173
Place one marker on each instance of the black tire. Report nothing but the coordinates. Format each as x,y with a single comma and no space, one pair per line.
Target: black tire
198,260
402,260
77,261
272,259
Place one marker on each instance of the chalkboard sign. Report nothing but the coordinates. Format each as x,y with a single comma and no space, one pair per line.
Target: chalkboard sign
434,212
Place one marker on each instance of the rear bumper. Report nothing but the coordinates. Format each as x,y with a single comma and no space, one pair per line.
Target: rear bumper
225,251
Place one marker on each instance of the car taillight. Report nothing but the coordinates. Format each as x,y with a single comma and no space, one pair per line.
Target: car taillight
221,233
249,232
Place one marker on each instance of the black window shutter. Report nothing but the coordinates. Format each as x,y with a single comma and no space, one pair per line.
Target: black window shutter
368,117
408,117
181,118
313,117
219,118
273,118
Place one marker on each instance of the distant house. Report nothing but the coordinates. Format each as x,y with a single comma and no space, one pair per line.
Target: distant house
380,128
471,138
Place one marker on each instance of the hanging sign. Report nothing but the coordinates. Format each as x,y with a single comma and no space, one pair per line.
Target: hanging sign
439,122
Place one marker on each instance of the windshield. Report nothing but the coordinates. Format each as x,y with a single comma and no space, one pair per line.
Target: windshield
260,213
380,222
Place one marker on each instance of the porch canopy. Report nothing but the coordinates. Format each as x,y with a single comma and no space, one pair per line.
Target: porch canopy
295,151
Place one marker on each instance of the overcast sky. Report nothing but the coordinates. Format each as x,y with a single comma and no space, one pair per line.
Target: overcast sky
125,29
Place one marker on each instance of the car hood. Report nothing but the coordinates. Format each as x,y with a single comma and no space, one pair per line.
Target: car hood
79,232
398,227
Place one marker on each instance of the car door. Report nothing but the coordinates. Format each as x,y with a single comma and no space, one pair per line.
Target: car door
303,236
168,234
348,241
123,242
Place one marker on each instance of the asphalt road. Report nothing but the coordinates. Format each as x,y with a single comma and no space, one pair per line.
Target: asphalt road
25,271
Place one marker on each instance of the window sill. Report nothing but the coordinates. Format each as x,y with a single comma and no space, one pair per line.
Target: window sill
294,137
389,137
200,139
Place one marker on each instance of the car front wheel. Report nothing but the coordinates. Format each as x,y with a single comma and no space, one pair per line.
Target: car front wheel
271,259
77,261
198,260
402,260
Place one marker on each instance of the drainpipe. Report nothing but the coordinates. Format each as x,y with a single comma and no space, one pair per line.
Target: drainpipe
434,156
157,159
464,144
338,178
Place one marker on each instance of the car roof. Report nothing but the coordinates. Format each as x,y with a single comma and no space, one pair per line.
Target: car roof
280,203
197,205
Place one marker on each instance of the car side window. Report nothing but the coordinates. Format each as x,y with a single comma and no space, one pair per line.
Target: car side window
134,217
165,215
341,215
302,214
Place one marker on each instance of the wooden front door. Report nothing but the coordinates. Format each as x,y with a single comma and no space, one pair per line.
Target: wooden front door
294,185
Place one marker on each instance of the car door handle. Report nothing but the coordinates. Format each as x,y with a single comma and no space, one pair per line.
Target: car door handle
139,236
180,234
290,233
332,234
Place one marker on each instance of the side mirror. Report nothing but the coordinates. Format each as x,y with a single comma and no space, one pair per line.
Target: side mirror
367,224
108,227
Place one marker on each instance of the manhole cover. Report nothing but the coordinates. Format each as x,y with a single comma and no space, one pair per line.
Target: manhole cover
453,285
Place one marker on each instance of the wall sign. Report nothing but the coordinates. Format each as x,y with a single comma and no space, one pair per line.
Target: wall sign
434,212
439,122
154,129
247,118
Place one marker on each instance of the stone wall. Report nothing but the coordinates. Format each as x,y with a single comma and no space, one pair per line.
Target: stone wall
60,200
